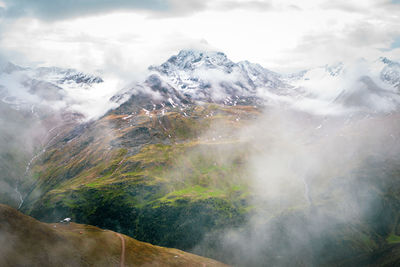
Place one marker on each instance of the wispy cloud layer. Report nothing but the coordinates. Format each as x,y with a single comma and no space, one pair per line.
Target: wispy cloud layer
124,37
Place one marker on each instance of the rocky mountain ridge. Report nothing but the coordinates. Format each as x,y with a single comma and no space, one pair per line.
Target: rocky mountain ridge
204,76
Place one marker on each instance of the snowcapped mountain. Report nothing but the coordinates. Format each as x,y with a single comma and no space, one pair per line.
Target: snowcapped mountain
53,74
203,76
360,86
185,69
66,76
52,87
211,76
381,70
390,72
194,76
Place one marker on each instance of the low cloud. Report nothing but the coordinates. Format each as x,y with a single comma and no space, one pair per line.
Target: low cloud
311,178
243,5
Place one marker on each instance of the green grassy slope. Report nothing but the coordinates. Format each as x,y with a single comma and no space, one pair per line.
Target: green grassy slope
146,175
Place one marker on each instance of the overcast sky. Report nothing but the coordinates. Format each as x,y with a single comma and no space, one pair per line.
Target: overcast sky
123,37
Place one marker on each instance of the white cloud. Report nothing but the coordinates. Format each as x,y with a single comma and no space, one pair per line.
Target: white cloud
281,35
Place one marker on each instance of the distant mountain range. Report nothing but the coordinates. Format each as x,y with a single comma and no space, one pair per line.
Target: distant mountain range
205,76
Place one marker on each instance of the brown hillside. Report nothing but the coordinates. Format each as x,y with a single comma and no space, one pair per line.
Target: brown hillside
25,241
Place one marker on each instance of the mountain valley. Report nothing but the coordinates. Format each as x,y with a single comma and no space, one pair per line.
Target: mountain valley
226,160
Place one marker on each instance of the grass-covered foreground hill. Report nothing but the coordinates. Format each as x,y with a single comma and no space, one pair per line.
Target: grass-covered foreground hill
25,241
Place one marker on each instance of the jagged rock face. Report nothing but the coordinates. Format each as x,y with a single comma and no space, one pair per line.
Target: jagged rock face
191,60
61,76
211,76
391,72
53,74
199,76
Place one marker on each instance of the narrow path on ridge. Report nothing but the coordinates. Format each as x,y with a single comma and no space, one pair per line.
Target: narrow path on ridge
122,249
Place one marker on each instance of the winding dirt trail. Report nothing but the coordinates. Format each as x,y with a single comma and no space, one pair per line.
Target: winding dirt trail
122,249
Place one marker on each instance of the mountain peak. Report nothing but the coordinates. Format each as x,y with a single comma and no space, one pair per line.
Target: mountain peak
189,60
10,67
212,76
389,62
200,53
61,76
215,57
